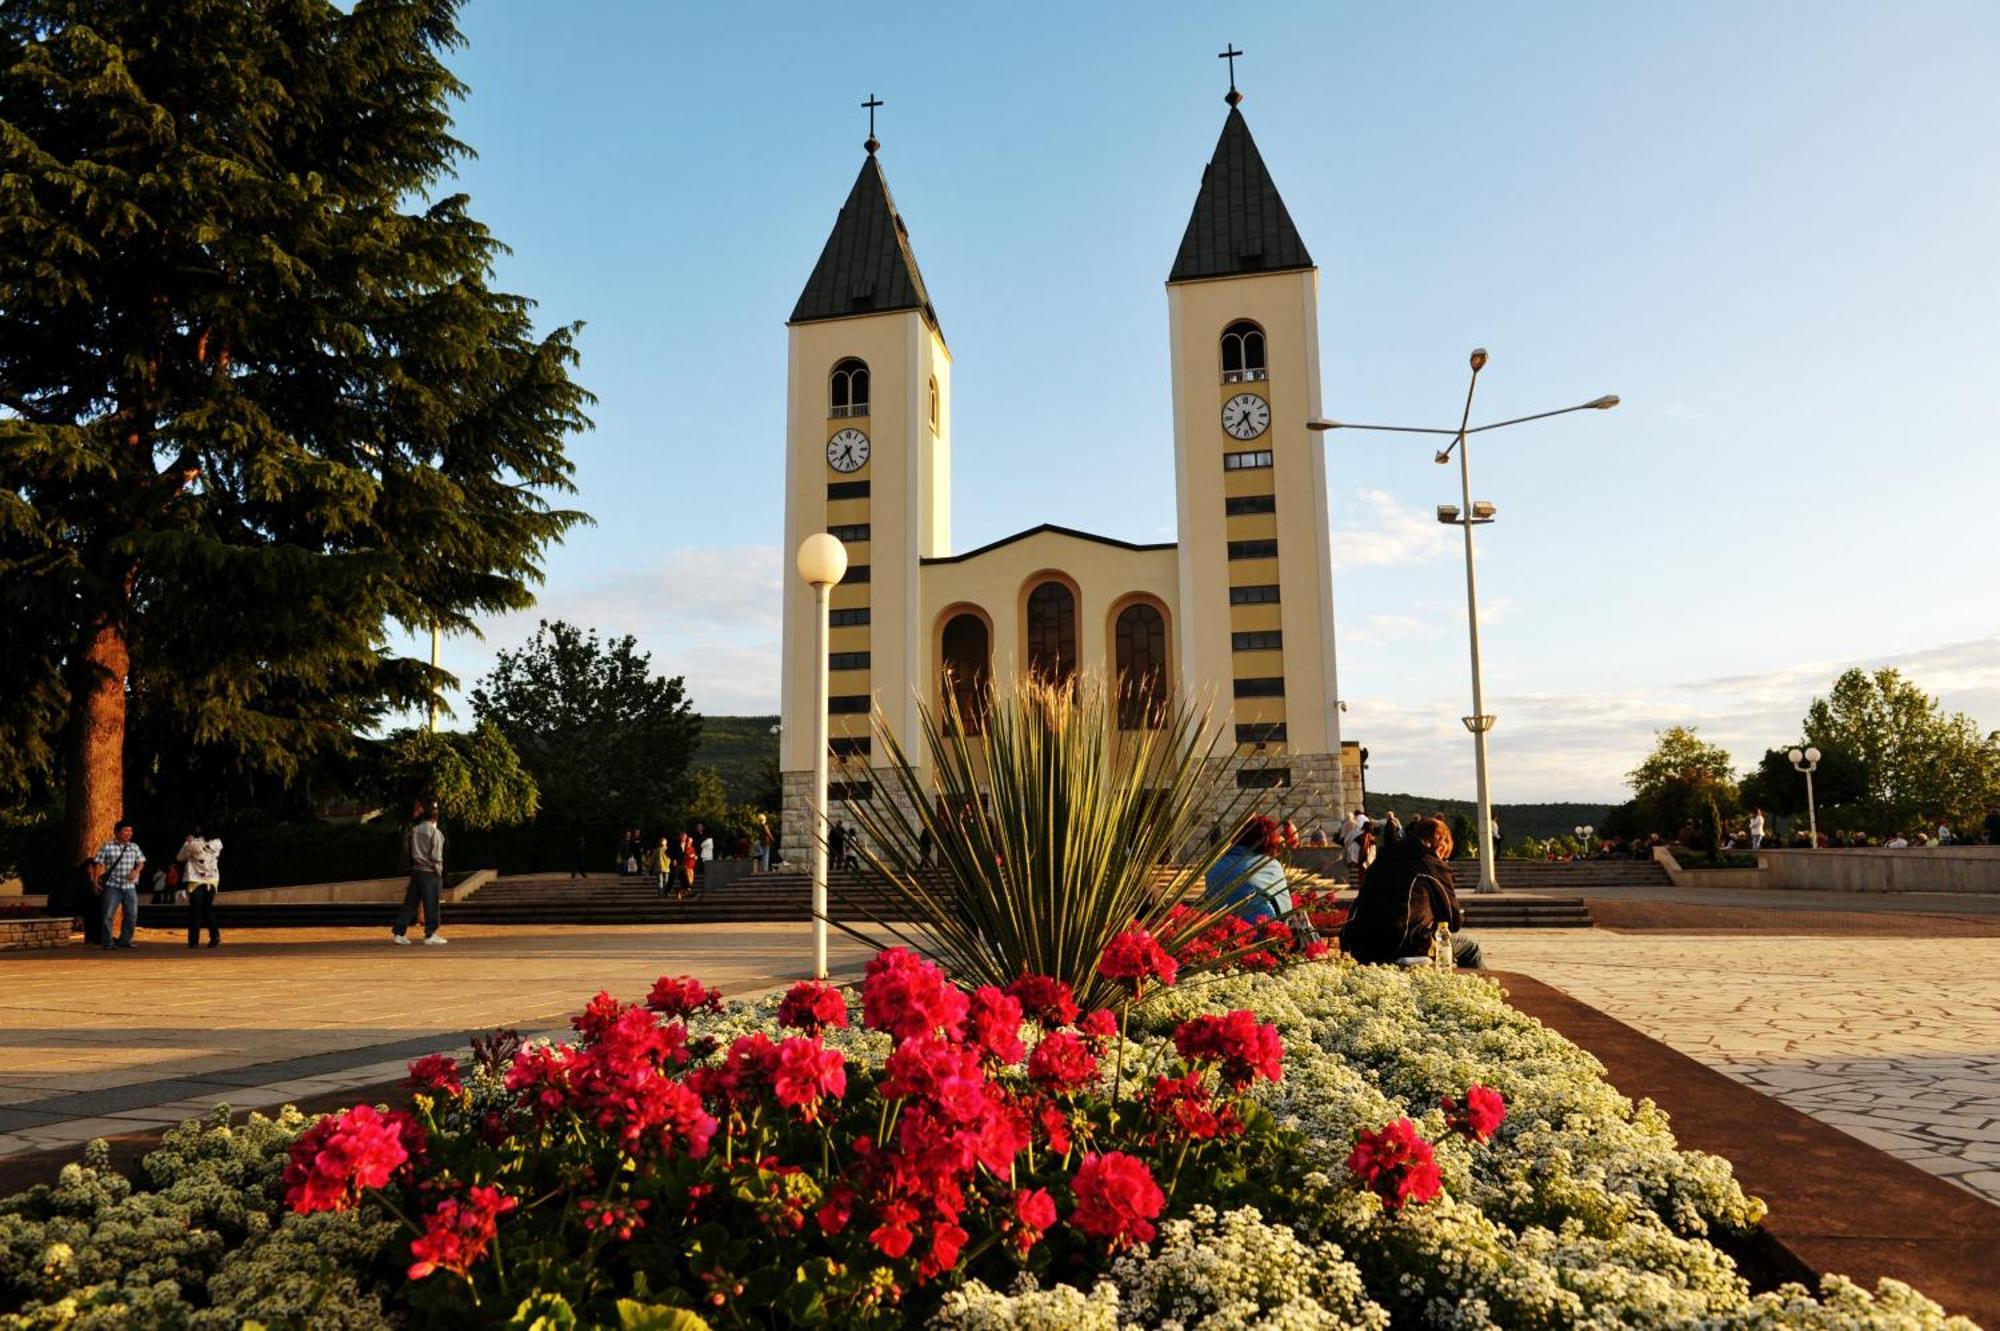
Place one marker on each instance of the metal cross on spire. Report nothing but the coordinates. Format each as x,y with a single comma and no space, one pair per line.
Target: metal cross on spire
872,102
1230,55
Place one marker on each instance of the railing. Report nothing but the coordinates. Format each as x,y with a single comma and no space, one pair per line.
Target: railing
1245,376
840,413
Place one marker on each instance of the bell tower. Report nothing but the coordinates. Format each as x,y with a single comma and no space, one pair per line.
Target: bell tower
1256,582
868,458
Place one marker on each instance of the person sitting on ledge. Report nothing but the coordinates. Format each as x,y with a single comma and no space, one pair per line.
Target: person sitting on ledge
1407,895
1246,881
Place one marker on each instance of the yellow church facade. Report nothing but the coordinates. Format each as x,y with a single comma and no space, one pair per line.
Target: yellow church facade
1237,614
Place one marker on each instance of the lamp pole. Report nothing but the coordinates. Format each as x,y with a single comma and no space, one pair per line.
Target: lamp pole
822,562
1805,761
1468,516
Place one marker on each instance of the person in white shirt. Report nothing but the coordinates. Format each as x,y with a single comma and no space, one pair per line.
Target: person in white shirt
1897,842
426,879
202,860
1757,830
1945,837
705,848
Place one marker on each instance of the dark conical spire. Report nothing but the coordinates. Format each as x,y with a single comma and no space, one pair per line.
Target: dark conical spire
1239,224
867,266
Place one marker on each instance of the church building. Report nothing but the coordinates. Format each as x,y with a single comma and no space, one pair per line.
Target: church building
1236,614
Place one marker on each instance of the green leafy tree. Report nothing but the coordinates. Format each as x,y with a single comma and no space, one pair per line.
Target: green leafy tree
257,399
606,740
1685,779
476,777
1912,761
1777,787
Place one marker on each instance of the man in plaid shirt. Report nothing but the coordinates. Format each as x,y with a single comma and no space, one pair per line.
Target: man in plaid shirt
119,864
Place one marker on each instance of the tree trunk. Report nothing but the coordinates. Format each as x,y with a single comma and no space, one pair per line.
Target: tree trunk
94,748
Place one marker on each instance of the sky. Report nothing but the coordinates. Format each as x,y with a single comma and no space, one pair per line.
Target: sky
1769,228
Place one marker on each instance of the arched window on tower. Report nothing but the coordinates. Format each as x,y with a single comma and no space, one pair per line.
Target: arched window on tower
1052,633
847,390
934,405
966,662
1242,353
1141,647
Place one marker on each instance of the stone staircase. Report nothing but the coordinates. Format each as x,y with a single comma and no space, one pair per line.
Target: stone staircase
609,900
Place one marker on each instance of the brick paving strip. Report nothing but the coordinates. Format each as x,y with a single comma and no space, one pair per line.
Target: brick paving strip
1836,1204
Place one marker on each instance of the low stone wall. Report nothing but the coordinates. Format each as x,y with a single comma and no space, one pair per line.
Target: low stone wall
357,892
1966,869
33,934
1729,878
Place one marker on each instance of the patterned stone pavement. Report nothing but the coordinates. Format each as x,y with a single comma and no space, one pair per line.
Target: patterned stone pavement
96,1043
1895,1041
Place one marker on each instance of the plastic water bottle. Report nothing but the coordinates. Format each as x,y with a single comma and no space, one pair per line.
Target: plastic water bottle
1441,954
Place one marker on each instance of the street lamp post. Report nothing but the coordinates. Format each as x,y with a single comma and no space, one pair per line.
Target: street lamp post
1469,516
1583,836
822,562
1805,761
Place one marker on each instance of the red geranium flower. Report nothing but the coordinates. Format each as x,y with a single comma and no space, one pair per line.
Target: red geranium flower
1048,1001
905,995
459,1231
812,1006
1034,1212
893,1235
1479,1116
996,1025
1396,1165
342,1155
1062,1063
436,1072
540,1076
1116,1198
1246,1049
1135,957
1098,1028
682,996
808,1072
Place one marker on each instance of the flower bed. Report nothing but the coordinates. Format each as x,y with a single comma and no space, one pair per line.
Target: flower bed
1314,1145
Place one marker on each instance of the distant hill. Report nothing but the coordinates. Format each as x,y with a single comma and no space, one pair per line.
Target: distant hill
1516,820
743,750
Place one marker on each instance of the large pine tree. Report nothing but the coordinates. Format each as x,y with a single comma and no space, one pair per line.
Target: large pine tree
258,402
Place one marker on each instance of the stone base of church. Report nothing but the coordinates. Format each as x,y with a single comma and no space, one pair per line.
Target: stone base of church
1321,789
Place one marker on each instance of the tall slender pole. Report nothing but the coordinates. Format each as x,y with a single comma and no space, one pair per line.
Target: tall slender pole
1812,813
1488,882
821,593
436,639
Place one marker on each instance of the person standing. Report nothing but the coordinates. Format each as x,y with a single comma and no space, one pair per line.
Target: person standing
762,841
924,846
704,849
836,845
426,879
119,864
1392,830
1757,830
663,866
688,853
578,857
202,857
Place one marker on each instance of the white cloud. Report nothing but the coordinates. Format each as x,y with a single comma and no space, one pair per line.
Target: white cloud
1376,530
1580,745
712,616
1380,630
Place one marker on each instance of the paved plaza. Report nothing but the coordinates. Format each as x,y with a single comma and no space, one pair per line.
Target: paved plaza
97,1043
1893,1040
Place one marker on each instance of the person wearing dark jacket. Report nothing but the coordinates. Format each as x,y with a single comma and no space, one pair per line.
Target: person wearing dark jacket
1405,897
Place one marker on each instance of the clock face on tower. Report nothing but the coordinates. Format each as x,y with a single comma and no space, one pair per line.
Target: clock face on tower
847,451
1246,416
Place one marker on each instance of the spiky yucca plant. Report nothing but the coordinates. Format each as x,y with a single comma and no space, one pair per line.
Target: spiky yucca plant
1052,831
